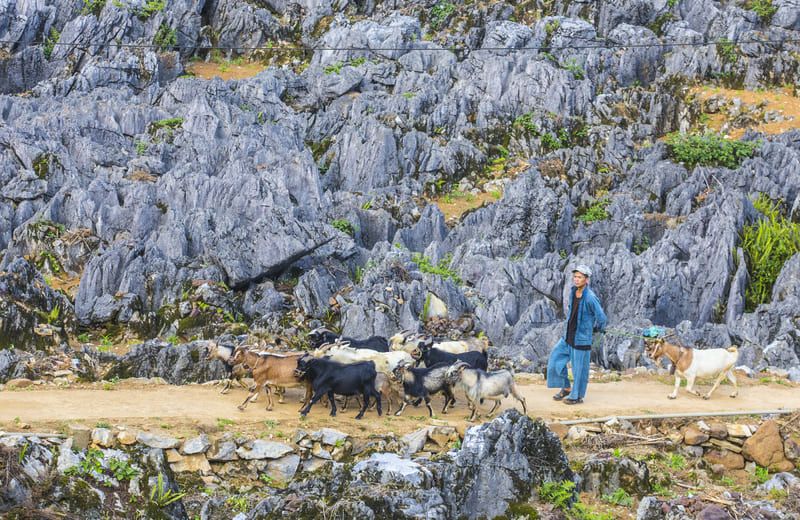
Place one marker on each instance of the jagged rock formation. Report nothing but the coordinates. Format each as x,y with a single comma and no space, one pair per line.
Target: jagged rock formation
152,184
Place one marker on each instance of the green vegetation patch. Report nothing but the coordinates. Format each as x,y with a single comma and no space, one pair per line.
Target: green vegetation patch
171,123
763,8
94,7
344,226
442,268
595,212
767,244
440,13
50,42
709,150
166,37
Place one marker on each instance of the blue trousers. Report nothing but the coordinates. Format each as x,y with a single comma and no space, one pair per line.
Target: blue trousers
557,375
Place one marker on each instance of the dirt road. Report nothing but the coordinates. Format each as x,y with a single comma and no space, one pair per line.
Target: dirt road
184,409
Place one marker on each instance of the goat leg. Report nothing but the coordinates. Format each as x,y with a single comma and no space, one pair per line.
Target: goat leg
732,379
428,404
227,387
332,400
402,406
317,396
364,405
674,393
448,399
377,396
716,384
690,386
519,398
248,398
496,404
269,397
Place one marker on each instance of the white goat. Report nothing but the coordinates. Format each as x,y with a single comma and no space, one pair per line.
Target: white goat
692,363
479,385
407,343
385,362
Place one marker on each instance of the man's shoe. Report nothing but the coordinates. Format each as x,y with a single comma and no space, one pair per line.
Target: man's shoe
561,394
573,401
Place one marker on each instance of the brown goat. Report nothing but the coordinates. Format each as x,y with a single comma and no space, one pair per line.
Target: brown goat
270,370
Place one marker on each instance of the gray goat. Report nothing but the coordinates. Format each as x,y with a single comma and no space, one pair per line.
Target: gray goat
479,385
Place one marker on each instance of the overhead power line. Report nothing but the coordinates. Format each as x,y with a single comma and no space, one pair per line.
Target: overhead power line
298,48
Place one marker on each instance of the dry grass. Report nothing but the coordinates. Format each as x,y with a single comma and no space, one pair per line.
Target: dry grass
780,100
225,70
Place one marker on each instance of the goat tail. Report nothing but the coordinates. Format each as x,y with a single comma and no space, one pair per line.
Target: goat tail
733,349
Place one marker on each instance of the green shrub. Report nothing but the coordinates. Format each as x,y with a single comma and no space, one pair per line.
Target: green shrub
595,212
442,268
763,8
560,494
525,122
94,7
709,150
333,68
767,244
150,8
574,67
620,497
166,37
170,123
727,51
50,42
344,226
439,14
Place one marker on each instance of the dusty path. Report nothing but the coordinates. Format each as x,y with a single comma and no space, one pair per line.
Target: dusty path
183,409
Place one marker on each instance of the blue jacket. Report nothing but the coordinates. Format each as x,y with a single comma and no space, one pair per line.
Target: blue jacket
590,316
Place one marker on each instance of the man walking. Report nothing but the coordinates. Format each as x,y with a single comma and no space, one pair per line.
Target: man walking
585,316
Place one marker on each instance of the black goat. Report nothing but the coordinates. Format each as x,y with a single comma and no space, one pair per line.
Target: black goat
432,356
422,383
321,335
329,377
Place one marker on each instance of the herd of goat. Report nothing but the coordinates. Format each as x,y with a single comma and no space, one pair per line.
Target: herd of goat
407,368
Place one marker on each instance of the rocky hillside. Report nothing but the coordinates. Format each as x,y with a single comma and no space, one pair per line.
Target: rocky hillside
137,197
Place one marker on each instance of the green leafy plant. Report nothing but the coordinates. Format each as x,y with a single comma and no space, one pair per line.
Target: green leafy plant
357,62
440,13
344,226
409,95
50,42
54,314
709,150
595,212
94,7
525,122
165,38
763,8
560,494
442,269
161,496
574,67
333,68
83,338
150,8
141,147
105,343
767,244
727,51
676,461
22,453
367,205
171,123
620,497
237,503
761,475
121,469
222,423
